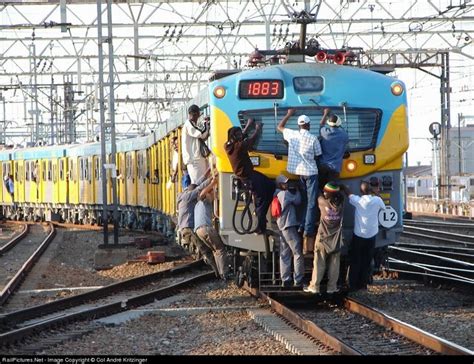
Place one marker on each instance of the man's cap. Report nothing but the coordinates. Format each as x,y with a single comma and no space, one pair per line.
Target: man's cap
303,120
331,187
193,108
338,121
281,179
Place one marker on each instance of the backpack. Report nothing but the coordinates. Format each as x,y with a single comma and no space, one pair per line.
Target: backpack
276,207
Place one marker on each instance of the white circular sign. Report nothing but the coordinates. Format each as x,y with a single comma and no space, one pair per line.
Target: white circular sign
388,218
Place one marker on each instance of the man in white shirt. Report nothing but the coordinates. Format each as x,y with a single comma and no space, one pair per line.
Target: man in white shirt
366,227
303,148
192,135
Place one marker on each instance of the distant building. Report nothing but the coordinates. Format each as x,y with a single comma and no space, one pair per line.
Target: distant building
461,150
421,183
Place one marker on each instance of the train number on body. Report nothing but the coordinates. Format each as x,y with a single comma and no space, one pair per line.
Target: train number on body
388,218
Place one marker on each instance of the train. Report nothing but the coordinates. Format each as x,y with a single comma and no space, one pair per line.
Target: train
64,182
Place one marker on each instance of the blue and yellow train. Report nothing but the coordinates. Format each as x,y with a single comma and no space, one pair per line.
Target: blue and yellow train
64,181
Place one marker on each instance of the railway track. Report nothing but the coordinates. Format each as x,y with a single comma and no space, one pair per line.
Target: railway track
356,329
20,258
21,325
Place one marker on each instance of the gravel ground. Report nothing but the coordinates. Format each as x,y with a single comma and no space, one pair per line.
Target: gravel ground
443,312
230,332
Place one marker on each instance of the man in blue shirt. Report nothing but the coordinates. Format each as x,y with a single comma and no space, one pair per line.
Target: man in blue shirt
334,140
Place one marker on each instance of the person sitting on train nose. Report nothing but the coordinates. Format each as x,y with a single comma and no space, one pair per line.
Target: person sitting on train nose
334,141
206,232
237,148
329,239
366,227
186,203
192,135
303,149
290,241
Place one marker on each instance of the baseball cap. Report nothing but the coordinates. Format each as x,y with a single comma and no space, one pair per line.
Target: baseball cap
338,121
281,179
303,119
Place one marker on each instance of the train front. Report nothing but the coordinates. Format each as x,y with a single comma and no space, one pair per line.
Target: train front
372,107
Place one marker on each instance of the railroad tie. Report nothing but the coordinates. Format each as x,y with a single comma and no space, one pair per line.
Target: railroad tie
293,340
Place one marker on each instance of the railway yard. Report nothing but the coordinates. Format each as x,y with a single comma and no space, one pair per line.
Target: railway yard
63,305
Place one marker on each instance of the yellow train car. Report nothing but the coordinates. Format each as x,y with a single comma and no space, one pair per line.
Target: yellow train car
19,180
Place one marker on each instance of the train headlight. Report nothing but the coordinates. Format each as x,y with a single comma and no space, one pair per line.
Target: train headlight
219,92
351,165
369,158
397,88
255,160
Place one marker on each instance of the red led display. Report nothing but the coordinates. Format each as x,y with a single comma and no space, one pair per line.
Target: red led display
261,89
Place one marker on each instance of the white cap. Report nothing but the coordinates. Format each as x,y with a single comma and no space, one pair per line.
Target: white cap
338,121
303,119
281,179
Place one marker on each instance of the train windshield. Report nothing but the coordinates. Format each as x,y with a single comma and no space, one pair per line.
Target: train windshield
362,126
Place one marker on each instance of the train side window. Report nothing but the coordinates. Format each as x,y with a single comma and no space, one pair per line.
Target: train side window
86,169
72,177
27,171
43,170
50,171
96,168
16,171
55,173
61,169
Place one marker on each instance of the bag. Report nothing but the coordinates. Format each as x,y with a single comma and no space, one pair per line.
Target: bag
204,149
276,207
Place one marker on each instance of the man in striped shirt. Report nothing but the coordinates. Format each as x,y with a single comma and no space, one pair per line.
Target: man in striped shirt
303,149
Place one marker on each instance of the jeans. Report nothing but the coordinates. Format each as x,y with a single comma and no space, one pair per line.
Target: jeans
310,185
360,254
291,249
263,189
214,242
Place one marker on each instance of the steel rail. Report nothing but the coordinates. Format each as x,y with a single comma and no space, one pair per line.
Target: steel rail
19,316
439,235
15,240
449,249
411,332
307,326
450,260
26,267
431,268
435,223
108,309
464,281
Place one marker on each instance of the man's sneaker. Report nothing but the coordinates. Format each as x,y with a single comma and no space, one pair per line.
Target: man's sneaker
286,284
298,285
332,292
310,289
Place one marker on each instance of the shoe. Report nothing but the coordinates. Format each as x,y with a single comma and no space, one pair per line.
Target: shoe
336,291
298,285
309,289
286,284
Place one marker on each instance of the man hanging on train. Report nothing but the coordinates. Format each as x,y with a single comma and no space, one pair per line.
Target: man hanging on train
334,140
237,148
192,139
303,149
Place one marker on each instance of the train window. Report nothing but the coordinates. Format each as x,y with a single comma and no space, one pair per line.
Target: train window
127,166
261,89
308,84
43,170
50,171
55,173
86,169
362,126
96,168
61,169
27,171
72,175
16,171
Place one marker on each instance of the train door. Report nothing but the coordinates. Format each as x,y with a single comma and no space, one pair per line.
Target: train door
6,171
154,176
47,186
73,180
142,181
109,179
121,178
32,194
27,179
62,181
19,181
131,180
97,180
55,180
